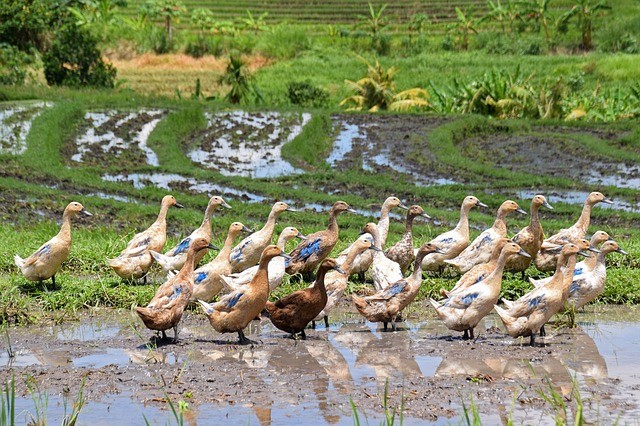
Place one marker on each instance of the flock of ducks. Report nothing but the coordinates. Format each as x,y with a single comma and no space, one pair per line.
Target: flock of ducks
242,275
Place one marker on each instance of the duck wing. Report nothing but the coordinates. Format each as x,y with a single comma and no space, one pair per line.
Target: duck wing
462,300
42,254
389,292
306,249
228,302
528,304
236,253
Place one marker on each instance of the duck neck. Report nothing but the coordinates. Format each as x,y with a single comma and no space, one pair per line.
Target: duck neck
383,223
319,282
409,225
416,275
500,225
376,237
262,274
600,259
348,261
189,264
463,224
333,222
270,224
495,277
208,213
162,216
585,218
65,229
534,223
282,242
228,245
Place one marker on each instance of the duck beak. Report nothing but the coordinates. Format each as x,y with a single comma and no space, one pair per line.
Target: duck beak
524,253
350,210
402,206
481,204
425,215
212,247
374,248
607,201
178,205
547,205
290,209
85,212
246,230
337,268
225,205
621,251
302,237
593,249
439,251
584,253
285,255
519,210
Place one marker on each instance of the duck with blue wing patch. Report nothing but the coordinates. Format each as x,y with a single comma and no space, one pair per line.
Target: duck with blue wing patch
386,304
464,309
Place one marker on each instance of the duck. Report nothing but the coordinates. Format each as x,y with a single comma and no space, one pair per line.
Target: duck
452,242
363,261
546,261
384,271
237,309
584,266
294,312
527,315
235,281
175,258
479,251
478,272
385,305
45,262
207,277
530,237
247,252
336,282
166,308
589,285
463,310
134,261
402,251
309,253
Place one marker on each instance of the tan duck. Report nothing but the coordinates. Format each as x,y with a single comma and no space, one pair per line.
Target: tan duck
277,266
584,266
479,251
464,309
46,261
135,260
546,261
452,242
402,251
295,311
478,272
529,238
527,315
363,261
385,305
166,308
237,309
309,253
384,271
336,282
590,284
247,252
175,258
208,281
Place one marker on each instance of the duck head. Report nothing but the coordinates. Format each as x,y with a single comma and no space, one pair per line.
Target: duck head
328,264
340,207
281,206
597,197
75,207
428,248
610,247
500,243
540,200
289,233
510,206
217,200
599,237
272,251
201,244
415,211
471,201
585,246
236,228
170,201
511,248
363,243
393,202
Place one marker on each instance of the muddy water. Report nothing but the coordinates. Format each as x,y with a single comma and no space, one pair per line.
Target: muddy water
15,123
278,380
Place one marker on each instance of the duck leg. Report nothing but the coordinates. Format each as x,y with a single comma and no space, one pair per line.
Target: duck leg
361,277
303,335
465,336
471,336
385,326
326,321
175,333
313,324
522,275
542,331
53,280
164,335
393,325
242,339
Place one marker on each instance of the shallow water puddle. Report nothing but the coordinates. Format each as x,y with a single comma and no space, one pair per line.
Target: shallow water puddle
170,181
279,380
113,135
15,123
240,143
619,175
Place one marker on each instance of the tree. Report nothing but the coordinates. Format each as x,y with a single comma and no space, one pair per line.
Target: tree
375,21
169,10
255,24
586,11
376,91
237,76
538,12
465,26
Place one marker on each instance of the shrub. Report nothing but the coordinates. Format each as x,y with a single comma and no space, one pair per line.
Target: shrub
305,94
284,42
13,64
74,60
198,46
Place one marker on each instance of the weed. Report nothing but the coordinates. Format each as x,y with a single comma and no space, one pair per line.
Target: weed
8,403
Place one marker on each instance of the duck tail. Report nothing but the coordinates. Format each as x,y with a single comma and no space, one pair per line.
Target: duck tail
456,263
507,319
509,304
435,304
162,260
206,307
227,284
18,261
143,312
537,283
360,303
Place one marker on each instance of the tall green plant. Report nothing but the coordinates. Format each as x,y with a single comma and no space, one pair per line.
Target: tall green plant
255,24
464,27
586,11
240,80
168,10
375,21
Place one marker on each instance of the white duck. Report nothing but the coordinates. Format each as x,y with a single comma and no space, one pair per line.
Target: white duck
479,251
546,261
45,262
175,258
276,267
384,271
452,242
248,251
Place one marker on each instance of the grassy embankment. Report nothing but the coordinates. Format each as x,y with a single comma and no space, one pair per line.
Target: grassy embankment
38,184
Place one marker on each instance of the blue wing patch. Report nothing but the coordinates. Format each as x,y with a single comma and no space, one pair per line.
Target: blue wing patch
577,271
467,299
234,300
44,250
485,240
480,278
183,246
200,277
310,249
287,261
535,301
144,242
394,289
237,253
446,240
177,291
575,286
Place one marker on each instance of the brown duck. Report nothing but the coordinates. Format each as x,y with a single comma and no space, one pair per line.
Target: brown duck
293,312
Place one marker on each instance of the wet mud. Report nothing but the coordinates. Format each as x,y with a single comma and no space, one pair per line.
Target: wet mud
15,123
277,380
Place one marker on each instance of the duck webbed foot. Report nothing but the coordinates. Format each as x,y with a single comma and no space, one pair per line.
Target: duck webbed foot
326,321
465,336
542,331
242,339
313,325
361,277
